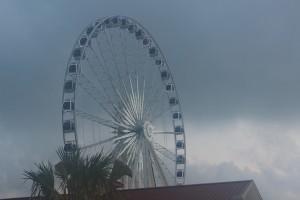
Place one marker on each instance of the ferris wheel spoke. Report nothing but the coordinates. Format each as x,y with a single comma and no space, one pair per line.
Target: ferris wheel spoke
127,138
115,89
98,143
90,87
167,170
114,62
132,104
116,151
133,157
93,64
113,53
128,100
94,93
165,152
155,104
96,119
158,164
134,97
124,145
155,117
105,66
153,89
129,55
99,79
127,152
101,62
121,78
164,132
148,167
104,122
134,166
128,109
124,51
132,55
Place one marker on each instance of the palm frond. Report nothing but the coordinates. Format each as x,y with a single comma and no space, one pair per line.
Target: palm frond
119,170
43,183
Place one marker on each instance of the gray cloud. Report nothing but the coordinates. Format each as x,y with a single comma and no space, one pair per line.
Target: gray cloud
282,188
232,60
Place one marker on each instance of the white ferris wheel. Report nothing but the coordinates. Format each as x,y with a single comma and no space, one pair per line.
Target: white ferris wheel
119,96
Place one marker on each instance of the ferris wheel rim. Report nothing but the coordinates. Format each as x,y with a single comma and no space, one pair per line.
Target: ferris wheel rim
133,21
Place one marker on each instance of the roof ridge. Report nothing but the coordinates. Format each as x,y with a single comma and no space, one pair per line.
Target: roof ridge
247,188
188,185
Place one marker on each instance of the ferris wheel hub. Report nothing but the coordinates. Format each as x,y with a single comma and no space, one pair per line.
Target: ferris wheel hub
143,128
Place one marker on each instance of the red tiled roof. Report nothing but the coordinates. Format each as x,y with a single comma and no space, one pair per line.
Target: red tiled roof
207,191
236,190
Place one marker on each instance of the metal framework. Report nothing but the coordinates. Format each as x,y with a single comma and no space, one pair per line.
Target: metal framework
119,96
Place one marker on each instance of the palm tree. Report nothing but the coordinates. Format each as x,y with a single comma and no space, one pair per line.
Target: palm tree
79,177
43,181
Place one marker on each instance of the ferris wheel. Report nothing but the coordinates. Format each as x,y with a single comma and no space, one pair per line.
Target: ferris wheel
119,96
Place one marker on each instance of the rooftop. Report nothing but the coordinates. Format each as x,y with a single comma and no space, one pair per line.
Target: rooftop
235,190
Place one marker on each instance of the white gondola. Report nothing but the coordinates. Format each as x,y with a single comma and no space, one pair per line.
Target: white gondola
170,87
180,144
173,101
68,126
180,173
73,68
178,129
176,115
68,105
153,51
69,86
77,53
139,34
180,159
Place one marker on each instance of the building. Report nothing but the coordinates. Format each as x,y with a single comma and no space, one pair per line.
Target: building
236,190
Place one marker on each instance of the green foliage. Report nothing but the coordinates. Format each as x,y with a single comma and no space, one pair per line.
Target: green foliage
78,177
119,170
43,181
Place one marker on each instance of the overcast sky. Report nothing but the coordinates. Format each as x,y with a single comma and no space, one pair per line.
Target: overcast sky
235,63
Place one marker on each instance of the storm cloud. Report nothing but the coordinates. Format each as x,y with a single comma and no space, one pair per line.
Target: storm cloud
235,63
